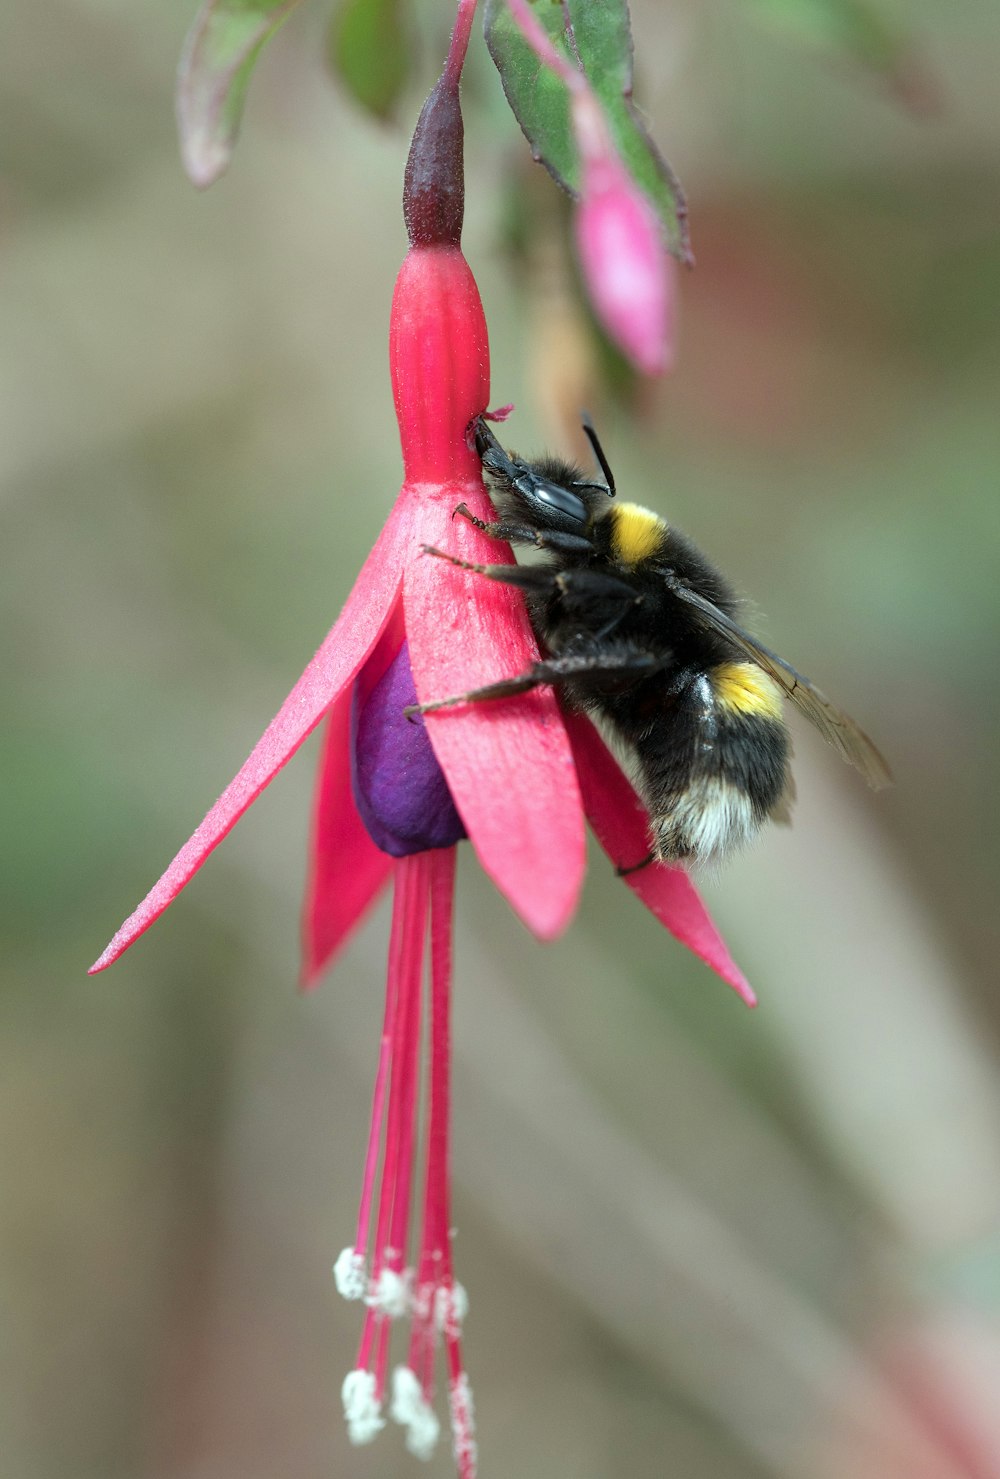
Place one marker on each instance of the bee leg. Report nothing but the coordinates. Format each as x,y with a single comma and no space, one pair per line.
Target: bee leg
551,671
562,543
623,870
506,688
527,577
523,534
493,530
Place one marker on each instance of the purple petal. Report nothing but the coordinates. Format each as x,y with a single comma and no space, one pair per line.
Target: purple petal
399,788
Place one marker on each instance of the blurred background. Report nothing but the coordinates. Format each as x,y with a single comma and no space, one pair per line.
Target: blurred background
699,1240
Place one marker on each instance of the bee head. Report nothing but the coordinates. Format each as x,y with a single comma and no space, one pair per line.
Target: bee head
549,493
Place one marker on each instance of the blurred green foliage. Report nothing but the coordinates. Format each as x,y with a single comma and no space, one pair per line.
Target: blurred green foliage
370,52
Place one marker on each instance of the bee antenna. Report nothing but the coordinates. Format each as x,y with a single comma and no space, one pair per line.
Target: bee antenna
594,440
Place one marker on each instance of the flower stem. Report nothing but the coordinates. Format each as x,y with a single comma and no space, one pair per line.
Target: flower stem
459,41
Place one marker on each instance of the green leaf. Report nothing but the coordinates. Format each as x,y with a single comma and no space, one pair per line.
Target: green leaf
540,101
369,49
219,54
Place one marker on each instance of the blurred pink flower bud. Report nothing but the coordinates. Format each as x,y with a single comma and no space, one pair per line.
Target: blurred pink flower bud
627,270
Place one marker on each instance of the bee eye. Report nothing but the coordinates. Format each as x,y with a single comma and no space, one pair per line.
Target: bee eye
555,496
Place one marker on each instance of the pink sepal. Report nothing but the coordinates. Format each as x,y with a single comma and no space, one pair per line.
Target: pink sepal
507,761
346,869
345,648
621,824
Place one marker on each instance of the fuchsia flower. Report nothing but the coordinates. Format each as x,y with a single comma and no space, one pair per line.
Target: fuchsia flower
394,797
629,274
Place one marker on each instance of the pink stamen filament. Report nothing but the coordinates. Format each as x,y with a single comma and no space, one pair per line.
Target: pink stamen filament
399,1135
439,1150
422,907
409,1079
438,1214
391,1235
381,1356
381,1078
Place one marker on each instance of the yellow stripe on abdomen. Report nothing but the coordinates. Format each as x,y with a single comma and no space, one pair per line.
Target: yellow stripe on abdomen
744,688
636,533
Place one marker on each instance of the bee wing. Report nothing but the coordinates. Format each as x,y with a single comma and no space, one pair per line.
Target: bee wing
836,727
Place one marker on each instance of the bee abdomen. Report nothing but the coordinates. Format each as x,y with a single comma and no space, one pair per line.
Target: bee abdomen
720,766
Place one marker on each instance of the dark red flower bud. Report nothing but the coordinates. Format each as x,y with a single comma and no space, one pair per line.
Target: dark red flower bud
434,184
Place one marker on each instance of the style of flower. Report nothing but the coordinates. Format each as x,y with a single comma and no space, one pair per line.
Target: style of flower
394,797
630,277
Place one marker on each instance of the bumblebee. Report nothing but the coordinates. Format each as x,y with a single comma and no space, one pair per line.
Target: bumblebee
639,630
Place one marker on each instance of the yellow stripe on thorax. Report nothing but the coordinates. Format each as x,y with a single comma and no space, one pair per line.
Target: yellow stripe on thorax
635,533
744,688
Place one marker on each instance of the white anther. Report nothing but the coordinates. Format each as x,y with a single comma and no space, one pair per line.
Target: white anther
406,1394
391,1294
362,1409
463,1431
451,1305
411,1409
350,1274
